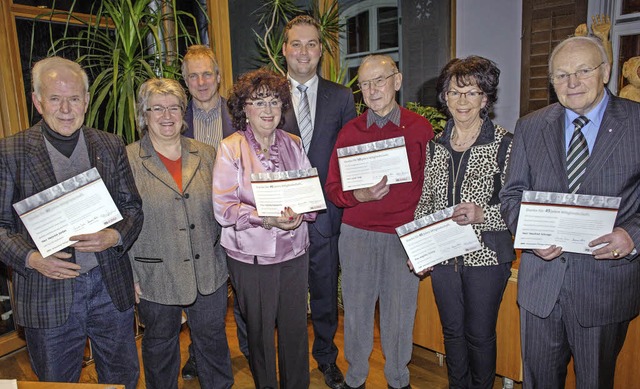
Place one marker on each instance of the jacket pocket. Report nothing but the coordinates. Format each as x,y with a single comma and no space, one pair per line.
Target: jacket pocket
147,260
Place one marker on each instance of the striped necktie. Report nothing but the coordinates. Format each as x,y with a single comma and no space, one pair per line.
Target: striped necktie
578,154
304,118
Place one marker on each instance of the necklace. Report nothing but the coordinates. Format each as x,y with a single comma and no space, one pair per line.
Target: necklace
465,143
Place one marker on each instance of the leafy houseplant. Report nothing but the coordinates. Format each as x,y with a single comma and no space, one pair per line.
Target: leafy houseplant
437,119
122,44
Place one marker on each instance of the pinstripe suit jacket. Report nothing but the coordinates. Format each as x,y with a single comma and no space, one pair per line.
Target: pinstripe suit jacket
334,109
602,291
25,169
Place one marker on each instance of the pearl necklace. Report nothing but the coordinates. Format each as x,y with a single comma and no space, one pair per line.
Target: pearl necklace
463,144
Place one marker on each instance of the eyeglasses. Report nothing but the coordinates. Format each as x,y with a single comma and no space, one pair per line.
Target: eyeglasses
580,75
159,110
378,82
472,95
261,104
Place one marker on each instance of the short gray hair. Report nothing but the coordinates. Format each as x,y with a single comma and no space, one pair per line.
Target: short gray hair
158,86
579,39
50,64
380,58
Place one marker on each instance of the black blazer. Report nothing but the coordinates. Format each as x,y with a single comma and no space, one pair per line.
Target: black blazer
334,109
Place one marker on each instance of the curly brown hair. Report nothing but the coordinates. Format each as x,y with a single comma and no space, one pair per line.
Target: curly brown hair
257,85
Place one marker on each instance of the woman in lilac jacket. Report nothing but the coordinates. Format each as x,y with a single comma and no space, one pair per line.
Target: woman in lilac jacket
267,256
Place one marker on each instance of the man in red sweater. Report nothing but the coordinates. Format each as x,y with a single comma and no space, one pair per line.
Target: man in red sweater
373,261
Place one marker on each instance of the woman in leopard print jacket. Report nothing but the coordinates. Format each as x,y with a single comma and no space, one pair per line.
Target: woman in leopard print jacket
465,168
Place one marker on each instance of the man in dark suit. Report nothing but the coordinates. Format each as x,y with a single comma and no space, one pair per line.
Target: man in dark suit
329,107
574,304
208,121
87,291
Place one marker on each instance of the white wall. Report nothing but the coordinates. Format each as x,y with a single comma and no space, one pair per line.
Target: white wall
492,29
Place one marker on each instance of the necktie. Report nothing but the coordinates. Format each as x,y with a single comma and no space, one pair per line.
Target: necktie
304,117
578,154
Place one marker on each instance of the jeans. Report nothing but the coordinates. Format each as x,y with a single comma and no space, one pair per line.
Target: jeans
56,353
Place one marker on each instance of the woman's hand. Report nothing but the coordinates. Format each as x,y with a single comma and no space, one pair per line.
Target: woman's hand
422,273
288,220
468,213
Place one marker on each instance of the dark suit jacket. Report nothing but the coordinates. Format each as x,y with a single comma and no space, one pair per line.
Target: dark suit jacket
227,128
602,291
334,109
25,169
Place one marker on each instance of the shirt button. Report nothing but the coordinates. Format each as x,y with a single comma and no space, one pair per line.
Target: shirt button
197,256
186,195
563,259
192,226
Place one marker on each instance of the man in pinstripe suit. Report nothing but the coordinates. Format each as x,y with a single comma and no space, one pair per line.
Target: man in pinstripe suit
572,304
87,291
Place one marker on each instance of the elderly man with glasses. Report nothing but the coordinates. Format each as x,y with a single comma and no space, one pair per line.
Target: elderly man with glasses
578,304
374,264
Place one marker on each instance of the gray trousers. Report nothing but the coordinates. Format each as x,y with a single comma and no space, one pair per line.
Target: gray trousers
374,268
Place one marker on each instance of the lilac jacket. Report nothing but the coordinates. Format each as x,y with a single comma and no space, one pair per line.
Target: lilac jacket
234,206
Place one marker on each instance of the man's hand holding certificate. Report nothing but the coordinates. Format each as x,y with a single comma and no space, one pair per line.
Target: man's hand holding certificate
362,166
436,238
565,220
79,205
299,190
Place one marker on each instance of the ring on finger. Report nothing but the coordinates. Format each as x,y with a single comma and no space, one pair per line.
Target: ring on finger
615,253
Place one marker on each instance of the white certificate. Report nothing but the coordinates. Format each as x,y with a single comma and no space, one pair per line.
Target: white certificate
436,238
299,190
364,165
79,205
570,221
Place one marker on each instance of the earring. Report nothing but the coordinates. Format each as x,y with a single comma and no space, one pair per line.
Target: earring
247,120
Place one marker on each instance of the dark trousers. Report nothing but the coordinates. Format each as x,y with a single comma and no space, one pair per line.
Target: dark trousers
468,301
548,344
323,291
241,331
56,353
161,345
273,296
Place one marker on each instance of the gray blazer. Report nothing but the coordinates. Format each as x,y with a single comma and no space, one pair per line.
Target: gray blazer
602,291
177,253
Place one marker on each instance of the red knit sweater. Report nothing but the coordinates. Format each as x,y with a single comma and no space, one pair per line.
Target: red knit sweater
397,207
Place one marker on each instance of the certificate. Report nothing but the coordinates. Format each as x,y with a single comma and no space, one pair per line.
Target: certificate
79,205
364,165
436,238
299,190
567,220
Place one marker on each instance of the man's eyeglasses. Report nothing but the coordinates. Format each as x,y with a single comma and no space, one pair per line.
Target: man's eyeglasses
377,82
264,104
159,110
581,74
473,95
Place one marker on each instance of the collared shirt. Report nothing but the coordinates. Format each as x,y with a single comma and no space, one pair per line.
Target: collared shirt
590,130
381,121
208,125
312,95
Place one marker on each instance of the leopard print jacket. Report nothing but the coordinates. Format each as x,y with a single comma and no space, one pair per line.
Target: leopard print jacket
482,172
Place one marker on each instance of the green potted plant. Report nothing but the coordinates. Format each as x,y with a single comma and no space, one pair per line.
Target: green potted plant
123,43
437,119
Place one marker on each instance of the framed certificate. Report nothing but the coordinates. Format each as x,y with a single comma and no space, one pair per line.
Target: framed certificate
436,238
79,205
299,190
364,165
567,220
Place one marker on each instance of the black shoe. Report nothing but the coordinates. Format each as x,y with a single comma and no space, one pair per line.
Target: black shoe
404,387
332,375
345,386
189,371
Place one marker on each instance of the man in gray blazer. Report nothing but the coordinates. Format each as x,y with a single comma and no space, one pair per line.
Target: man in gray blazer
330,107
85,291
574,304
